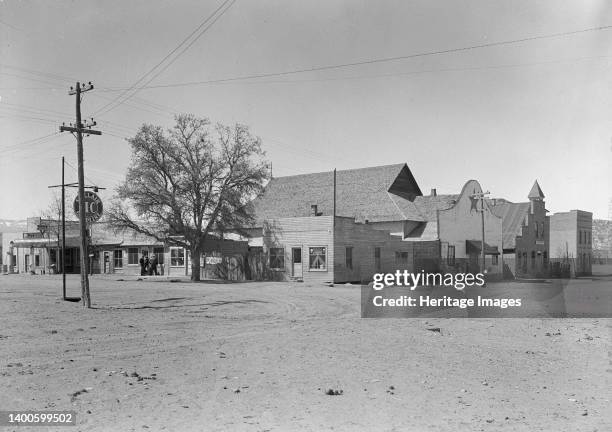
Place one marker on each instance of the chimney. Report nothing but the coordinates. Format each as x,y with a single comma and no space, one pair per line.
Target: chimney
434,192
314,209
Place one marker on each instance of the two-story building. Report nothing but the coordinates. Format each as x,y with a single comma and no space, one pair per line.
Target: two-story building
571,241
526,235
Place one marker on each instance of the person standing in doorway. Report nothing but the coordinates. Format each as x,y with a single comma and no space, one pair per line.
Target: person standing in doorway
153,266
142,263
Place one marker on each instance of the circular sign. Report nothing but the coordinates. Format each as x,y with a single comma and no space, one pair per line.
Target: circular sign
93,207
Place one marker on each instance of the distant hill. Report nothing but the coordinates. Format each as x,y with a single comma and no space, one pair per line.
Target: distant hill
12,225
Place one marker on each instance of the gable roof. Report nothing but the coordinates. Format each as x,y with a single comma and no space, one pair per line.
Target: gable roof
535,192
513,215
382,193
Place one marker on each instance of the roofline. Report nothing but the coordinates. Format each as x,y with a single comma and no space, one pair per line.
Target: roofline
403,164
461,194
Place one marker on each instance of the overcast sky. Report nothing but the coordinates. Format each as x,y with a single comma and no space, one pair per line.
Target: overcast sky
506,114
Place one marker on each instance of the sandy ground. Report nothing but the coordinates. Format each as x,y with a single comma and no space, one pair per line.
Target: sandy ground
260,356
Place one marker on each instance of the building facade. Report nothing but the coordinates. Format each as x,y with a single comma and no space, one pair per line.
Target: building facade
526,235
460,230
38,251
571,241
315,227
368,221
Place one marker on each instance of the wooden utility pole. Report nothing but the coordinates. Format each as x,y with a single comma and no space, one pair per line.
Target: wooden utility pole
334,221
79,128
63,232
62,257
481,196
482,210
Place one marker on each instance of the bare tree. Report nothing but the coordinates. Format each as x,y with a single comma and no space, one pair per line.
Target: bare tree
191,182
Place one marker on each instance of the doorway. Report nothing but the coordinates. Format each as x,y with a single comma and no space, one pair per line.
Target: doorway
106,262
296,259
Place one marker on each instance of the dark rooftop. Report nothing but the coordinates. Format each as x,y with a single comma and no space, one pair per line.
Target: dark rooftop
383,193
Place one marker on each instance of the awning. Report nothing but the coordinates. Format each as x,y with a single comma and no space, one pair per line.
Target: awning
256,242
36,243
475,247
71,242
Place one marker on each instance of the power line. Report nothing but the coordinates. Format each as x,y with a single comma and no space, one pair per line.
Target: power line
10,25
50,75
76,170
52,78
375,61
49,116
30,141
201,29
415,72
32,147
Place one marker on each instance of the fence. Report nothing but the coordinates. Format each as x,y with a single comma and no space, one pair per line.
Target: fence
250,266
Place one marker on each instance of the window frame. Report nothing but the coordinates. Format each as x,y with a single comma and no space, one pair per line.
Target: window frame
450,258
310,261
278,255
159,253
115,258
348,257
178,258
401,258
131,254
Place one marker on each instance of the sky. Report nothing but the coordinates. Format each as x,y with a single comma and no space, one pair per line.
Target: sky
504,92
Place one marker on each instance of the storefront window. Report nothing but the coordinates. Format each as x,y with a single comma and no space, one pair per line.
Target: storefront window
317,258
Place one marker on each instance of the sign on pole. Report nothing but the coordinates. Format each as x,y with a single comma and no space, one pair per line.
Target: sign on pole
93,206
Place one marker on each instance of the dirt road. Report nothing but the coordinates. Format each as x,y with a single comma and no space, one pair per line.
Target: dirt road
260,357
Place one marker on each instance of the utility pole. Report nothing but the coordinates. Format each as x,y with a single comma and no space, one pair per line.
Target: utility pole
63,232
334,221
79,128
63,253
481,197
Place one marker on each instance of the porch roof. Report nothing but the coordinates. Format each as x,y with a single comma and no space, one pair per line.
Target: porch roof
48,243
475,246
